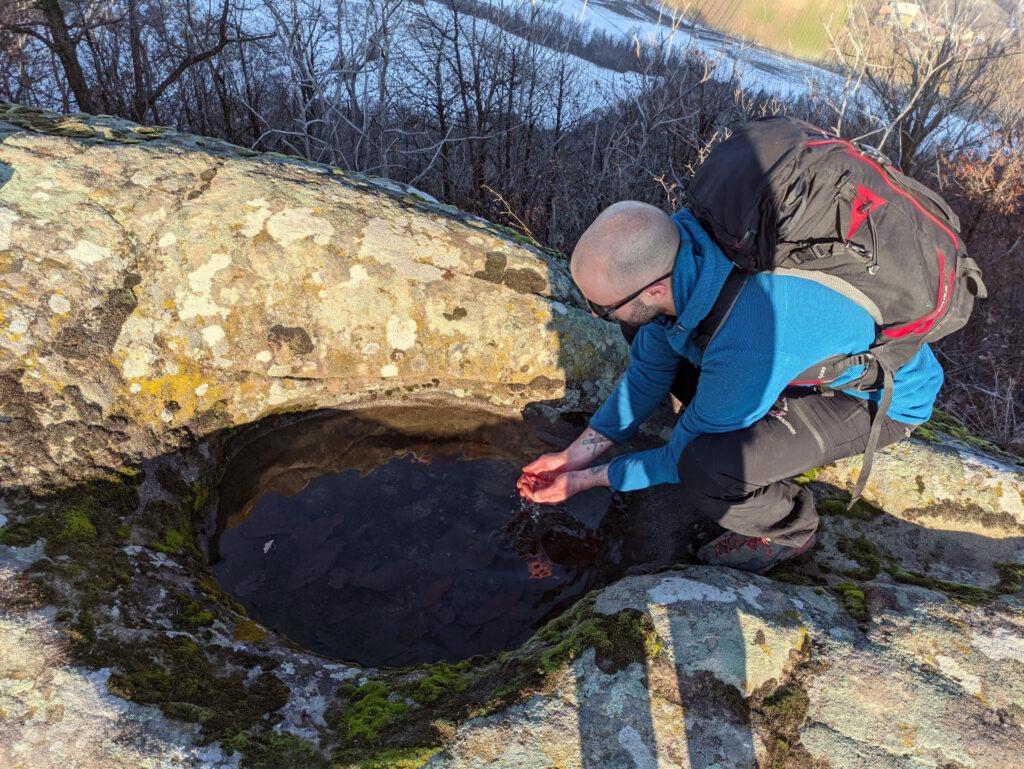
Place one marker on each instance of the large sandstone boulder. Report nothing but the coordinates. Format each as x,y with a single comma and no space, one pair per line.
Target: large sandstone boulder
167,297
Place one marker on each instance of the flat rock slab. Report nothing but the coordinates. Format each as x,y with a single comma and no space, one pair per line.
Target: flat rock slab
927,669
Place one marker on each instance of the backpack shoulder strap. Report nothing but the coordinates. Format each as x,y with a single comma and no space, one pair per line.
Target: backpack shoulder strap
708,328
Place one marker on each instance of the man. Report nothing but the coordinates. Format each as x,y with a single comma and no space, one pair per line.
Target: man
746,429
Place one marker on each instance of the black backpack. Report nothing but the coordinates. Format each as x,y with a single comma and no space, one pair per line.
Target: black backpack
782,195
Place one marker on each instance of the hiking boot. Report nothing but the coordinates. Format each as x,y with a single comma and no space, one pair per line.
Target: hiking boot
755,554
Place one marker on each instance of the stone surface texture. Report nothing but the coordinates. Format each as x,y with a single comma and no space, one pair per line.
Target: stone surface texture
163,296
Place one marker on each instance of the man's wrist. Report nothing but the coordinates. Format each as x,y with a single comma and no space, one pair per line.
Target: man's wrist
594,476
587,447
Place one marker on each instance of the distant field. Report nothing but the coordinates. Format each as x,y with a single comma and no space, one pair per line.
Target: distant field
794,27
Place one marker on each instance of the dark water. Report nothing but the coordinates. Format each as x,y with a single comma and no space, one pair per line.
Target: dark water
410,557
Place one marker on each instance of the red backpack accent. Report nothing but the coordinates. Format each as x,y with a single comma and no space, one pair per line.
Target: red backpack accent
865,202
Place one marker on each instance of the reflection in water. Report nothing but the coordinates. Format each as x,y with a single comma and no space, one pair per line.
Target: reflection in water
359,543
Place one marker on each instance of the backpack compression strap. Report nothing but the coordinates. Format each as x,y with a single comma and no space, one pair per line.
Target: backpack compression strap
876,428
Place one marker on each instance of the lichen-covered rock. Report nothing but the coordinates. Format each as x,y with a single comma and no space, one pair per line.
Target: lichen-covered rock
164,298
750,672
180,283
944,483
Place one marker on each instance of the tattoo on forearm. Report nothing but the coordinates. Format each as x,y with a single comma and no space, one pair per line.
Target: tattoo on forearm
594,442
596,470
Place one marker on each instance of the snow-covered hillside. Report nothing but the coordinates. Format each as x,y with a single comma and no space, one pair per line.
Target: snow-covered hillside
651,23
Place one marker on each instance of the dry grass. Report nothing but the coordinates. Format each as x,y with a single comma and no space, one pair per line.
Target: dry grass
794,27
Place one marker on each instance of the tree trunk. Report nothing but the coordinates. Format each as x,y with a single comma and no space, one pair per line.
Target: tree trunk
65,49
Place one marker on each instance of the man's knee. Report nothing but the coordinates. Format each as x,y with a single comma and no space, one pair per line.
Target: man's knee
712,468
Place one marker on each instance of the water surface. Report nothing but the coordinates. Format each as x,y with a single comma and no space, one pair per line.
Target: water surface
361,543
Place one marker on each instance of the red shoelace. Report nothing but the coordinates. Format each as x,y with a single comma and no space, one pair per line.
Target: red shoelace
726,546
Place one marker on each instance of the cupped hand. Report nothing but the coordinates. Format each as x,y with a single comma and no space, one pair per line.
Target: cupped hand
549,465
547,489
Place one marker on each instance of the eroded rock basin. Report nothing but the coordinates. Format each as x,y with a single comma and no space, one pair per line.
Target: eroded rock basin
370,539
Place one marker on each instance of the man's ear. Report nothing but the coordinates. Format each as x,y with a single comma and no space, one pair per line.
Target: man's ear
658,291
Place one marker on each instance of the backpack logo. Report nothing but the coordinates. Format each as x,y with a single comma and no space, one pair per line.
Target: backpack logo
865,202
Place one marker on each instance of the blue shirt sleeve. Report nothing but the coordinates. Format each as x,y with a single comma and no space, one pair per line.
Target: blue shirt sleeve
652,368
736,387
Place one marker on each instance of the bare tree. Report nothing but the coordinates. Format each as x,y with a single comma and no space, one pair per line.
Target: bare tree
63,28
912,80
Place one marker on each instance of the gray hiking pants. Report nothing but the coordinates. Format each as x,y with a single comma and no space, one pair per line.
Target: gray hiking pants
743,479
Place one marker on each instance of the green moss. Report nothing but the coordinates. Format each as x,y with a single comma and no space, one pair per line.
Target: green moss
175,523
853,599
76,526
402,758
786,708
971,594
441,679
617,639
191,614
925,434
786,573
78,521
808,476
778,717
248,631
276,751
954,428
209,587
863,511
177,675
369,709
864,552
1011,577
172,542
197,497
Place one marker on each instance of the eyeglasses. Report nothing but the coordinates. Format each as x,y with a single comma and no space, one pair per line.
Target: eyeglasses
603,311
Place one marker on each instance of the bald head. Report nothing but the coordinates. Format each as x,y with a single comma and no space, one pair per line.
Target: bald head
629,244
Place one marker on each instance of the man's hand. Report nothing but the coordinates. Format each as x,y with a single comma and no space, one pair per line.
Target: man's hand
555,477
550,489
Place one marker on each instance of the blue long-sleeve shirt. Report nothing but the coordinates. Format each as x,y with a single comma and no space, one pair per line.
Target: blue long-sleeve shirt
779,327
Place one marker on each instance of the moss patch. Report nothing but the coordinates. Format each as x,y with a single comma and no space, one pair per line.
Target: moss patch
617,639
863,511
971,594
854,600
864,552
954,428
402,758
275,751
778,718
441,679
81,520
808,476
1011,577
248,631
413,709
191,614
174,523
786,573
369,709
177,675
